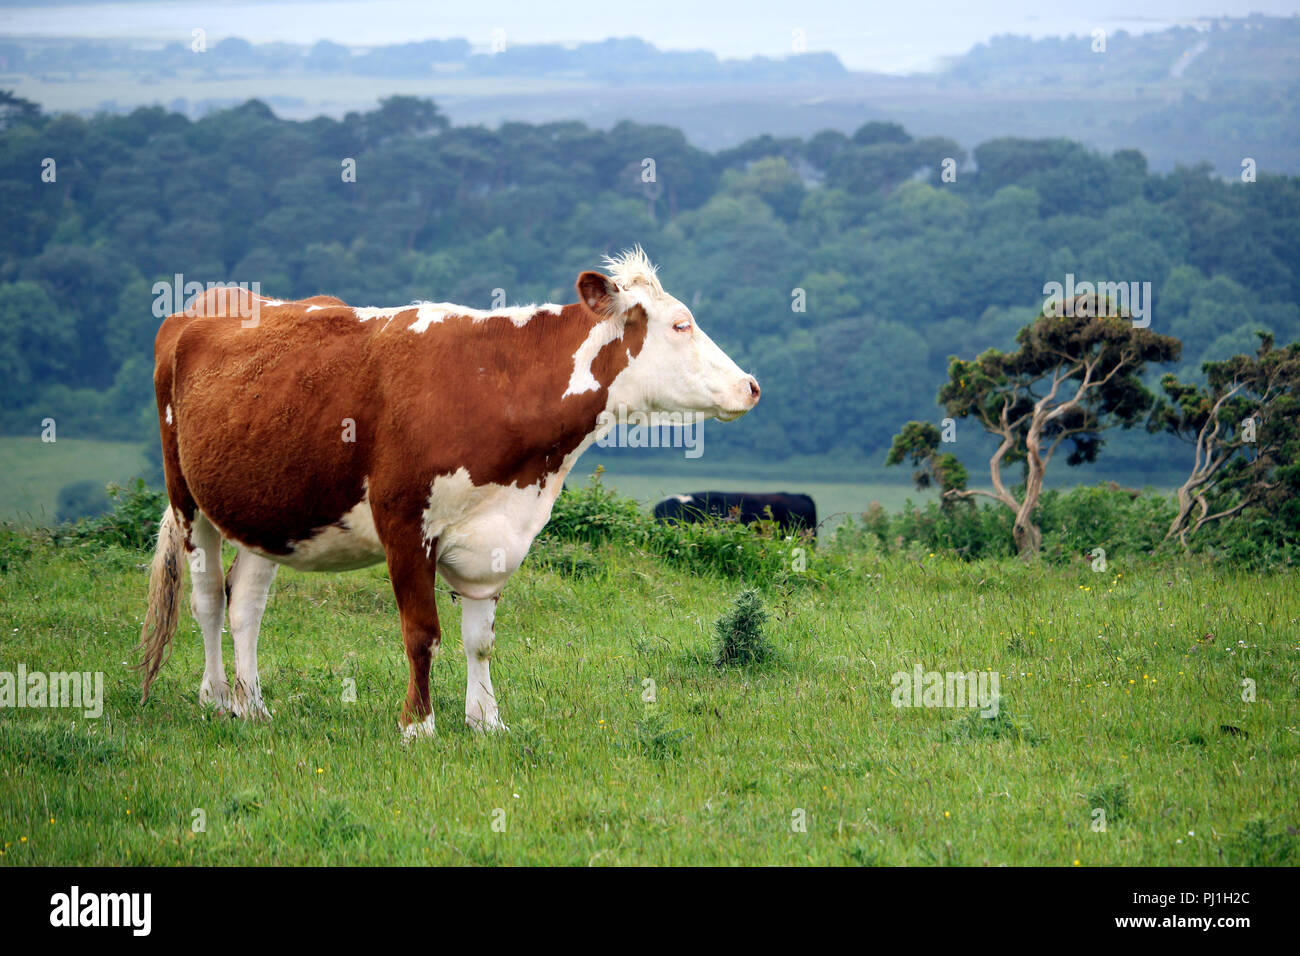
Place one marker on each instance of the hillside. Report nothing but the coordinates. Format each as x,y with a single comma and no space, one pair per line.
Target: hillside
1218,91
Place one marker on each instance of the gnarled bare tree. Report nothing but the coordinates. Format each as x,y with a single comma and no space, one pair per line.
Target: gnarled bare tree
1245,428
1073,376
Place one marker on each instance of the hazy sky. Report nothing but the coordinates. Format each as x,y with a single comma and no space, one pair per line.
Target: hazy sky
890,37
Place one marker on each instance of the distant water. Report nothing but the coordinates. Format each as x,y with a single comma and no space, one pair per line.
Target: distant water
866,36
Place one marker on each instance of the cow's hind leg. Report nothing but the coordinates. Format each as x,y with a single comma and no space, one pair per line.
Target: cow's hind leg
478,633
208,604
248,586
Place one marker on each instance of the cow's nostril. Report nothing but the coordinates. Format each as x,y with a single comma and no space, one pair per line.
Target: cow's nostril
754,390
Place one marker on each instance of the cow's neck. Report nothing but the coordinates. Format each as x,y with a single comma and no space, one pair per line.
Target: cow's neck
591,395
584,356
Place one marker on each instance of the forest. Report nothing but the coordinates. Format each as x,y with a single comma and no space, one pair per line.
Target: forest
843,270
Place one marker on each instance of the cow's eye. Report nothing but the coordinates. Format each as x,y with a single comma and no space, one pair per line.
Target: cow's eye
681,327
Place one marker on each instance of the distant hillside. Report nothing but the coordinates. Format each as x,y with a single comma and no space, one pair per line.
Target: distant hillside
616,60
1221,92
1232,52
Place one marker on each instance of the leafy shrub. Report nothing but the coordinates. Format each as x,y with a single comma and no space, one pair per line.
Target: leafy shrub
593,515
760,553
16,545
1255,538
133,522
963,530
739,636
1103,516
1074,523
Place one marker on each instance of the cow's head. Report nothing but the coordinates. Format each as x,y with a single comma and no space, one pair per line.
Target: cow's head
679,368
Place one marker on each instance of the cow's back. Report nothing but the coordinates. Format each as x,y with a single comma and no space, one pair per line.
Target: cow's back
266,428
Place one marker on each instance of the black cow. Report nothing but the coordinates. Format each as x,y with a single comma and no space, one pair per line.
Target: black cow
791,512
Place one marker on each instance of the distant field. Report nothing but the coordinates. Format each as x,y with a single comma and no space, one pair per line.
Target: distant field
32,472
292,97
834,500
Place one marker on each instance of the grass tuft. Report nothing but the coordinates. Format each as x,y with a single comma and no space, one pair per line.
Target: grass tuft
1255,844
657,739
1113,798
1001,726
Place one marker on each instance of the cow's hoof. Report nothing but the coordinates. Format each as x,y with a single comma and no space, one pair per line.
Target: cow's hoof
250,710
424,728
490,725
216,695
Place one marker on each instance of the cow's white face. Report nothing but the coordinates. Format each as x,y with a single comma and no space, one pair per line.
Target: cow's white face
678,369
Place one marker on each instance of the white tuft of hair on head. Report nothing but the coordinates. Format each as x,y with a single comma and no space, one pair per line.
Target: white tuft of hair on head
633,267
636,279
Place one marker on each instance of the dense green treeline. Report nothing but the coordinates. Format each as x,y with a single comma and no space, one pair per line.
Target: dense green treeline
843,270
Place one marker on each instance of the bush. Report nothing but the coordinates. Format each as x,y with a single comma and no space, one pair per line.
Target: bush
1074,523
760,553
739,633
1103,516
133,522
1255,538
593,515
17,545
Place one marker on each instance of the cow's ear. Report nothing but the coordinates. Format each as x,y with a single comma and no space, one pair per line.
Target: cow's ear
596,291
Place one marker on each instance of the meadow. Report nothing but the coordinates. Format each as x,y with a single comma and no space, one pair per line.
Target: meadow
1122,691
835,499
33,472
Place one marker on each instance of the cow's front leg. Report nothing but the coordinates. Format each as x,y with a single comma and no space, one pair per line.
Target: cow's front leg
478,634
413,575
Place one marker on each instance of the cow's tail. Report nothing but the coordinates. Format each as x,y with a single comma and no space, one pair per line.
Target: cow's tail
161,618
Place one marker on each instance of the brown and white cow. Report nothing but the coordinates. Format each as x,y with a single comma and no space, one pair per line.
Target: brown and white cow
431,436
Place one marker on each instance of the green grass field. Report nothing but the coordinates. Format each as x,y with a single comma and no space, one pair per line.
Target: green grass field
835,500
33,472
1121,691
